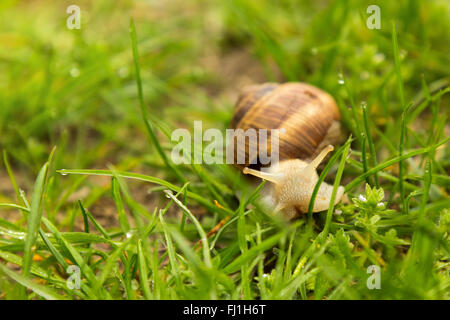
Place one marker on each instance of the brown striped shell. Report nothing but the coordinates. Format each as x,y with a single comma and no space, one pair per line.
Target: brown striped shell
309,116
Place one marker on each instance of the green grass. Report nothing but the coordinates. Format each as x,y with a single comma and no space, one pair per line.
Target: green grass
109,200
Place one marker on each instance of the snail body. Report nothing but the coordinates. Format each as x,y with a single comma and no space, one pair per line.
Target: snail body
309,122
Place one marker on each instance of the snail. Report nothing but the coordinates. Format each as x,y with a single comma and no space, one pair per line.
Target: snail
309,121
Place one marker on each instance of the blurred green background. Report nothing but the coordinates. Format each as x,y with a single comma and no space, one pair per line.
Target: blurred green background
76,88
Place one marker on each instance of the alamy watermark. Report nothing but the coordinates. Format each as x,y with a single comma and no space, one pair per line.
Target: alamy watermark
74,281
74,19
238,146
374,280
374,20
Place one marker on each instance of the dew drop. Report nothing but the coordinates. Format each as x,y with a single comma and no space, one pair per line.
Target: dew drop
168,193
74,72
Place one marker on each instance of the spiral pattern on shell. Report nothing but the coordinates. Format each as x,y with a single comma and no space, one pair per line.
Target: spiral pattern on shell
308,116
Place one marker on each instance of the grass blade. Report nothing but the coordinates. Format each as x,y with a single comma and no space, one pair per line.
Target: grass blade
123,220
11,175
143,272
336,184
402,103
41,290
322,176
34,218
201,232
142,177
144,113
373,155
392,161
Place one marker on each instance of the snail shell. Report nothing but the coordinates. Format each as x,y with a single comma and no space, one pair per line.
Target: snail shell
309,116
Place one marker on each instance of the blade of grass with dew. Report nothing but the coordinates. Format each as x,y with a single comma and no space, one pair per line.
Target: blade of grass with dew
61,260
403,106
41,290
144,113
242,242
364,156
34,218
109,263
390,162
85,218
425,195
142,177
123,220
86,270
373,155
263,290
336,184
143,272
288,264
173,262
322,236
382,174
35,269
128,276
418,109
322,176
39,272
11,175
89,216
201,232
196,264
208,278
253,252
139,212
14,206
157,283
357,128
420,254
57,255
403,136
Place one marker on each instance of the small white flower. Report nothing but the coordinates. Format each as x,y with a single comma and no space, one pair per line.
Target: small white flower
380,205
338,212
362,198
